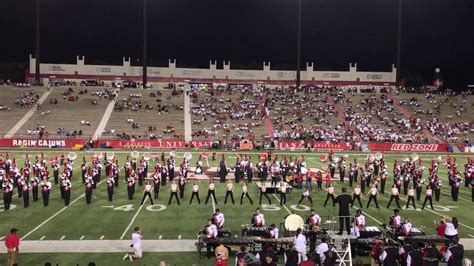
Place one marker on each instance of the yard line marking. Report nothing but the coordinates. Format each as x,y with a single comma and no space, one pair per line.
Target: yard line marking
1,238
461,198
43,237
62,238
470,235
160,237
284,206
107,206
133,220
101,237
56,214
213,203
82,237
179,237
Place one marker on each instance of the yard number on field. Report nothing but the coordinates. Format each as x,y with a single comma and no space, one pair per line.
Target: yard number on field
129,207
275,208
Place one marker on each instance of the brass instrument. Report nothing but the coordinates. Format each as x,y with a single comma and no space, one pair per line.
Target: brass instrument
72,156
134,154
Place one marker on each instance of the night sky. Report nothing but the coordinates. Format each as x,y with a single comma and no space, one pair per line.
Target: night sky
436,33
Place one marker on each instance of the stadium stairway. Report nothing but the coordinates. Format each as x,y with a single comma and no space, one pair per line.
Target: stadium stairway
187,118
407,115
29,114
105,118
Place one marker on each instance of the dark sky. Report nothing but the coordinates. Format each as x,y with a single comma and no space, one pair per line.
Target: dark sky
436,33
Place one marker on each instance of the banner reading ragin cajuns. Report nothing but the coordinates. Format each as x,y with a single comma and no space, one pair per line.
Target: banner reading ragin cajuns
138,144
41,143
408,147
285,145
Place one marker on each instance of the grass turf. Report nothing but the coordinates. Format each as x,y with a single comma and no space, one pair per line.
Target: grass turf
94,221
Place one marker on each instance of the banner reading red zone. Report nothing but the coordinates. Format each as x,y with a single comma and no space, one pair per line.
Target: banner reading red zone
408,147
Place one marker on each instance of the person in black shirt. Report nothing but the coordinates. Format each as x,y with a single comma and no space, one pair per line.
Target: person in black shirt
240,256
454,254
291,256
330,256
344,201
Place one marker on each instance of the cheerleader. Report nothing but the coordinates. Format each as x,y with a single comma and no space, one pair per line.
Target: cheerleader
373,192
394,196
229,192
411,197
428,197
195,193
263,192
245,193
330,195
356,196
306,194
173,192
211,191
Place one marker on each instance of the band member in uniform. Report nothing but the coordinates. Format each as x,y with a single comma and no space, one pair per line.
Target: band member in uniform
229,192
395,220
66,184
34,184
222,170
156,183
306,194
83,169
282,193
181,184
171,168
7,194
263,192
258,219
359,223
147,192
428,197
273,230
89,186
55,171
394,196
45,189
211,190
455,188
174,192
164,174
195,193
330,195
210,232
373,192
218,219
356,196
383,179
110,187
249,171
411,197
406,227
237,171
130,187
437,190
245,192
25,186
389,256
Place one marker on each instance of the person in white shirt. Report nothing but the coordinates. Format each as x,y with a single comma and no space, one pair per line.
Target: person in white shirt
136,245
395,195
211,191
451,230
273,231
258,219
356,195
359,223
411,197
174,192
330,195
195,193
147,192
306,194
321,249
218,218
406,227
245,193
300,243
373,192
229,192
428,197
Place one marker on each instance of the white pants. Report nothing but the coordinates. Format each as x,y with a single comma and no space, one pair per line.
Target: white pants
137,252
302,251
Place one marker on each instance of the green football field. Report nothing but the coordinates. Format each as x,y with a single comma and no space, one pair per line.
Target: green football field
104,220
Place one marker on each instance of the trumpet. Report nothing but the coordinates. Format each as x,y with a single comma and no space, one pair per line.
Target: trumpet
188,156
172,154
72,156
370,157
378,156
134,154
415,157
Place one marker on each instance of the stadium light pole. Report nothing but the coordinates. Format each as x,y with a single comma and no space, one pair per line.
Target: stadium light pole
298,49
37,57
145,40
399,42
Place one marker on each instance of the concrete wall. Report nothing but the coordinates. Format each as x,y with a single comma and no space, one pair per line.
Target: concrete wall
266,75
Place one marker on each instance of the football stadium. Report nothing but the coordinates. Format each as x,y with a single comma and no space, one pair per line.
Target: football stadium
141,163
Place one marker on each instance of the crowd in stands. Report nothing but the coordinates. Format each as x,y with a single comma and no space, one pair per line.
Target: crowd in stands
27,99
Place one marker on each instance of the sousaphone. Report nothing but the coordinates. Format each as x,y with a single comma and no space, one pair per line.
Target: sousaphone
72,156
134,154
188,156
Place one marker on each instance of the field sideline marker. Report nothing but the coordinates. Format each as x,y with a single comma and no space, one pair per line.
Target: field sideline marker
179,236
62,238
102,237
133,220
56,214
82,237
160,237
213,204
43,237
1,238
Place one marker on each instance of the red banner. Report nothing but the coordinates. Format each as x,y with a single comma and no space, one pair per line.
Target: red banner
408,147
41,143
285,145
169,144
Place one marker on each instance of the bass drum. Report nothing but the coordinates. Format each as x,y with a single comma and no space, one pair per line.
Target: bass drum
293,222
